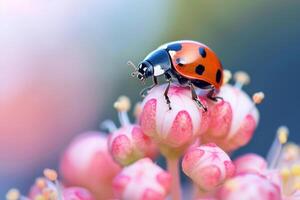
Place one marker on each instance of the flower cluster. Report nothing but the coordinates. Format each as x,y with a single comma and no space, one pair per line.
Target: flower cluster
121,164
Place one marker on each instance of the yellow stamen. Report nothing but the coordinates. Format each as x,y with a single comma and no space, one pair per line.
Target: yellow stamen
123,104
231,185
50,174
40,183
226,76
258,97
282,134
296,170
285,174
137,109
242,78
13,194
296,186
40,197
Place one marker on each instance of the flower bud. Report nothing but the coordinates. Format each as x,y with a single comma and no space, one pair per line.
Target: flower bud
250,163
88,163
142,180
208,166
77,193
233,120
129,144
172,129
249,187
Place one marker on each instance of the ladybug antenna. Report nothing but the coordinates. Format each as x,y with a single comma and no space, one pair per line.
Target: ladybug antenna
134,73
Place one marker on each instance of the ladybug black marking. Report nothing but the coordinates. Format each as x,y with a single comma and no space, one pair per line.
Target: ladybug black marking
202,52
218,76
199,69
179,61
174,47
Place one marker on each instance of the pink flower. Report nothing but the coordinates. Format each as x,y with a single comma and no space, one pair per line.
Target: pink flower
294,196
249,187
128,143
172,129
142,180
87,162
250,163
49,187
208,166
234,120
76,193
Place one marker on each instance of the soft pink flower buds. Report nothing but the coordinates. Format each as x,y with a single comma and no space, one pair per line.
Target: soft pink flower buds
232,121
208,166
142,180
76,193
250,163
172,129
249,187
87,162
129,143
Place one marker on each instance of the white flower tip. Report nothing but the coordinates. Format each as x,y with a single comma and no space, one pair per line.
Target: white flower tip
123,104
50,174
282,134
258,97
227,75
242,78
13,194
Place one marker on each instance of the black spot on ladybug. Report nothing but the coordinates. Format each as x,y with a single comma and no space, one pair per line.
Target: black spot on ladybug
180,61
200,69
202,52
218,76
174,47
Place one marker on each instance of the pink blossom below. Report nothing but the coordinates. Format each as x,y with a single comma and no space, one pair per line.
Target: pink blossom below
249,187
208,166
87,162
250,163
142,180
76,193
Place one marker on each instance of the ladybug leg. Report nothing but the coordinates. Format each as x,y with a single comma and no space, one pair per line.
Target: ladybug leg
169,79
145,91
211,94
196,98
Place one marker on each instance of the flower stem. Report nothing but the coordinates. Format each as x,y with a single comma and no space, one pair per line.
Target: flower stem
173,169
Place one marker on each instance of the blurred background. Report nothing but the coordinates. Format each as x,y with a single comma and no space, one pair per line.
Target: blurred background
63,63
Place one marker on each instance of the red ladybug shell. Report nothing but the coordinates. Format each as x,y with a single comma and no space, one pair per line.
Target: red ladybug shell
194,60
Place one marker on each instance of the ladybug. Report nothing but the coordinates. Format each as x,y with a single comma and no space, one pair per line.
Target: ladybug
189,62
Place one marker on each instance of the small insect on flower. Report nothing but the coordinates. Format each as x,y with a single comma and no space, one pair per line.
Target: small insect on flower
190,63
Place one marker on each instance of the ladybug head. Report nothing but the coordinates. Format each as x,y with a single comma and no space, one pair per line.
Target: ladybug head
145,70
